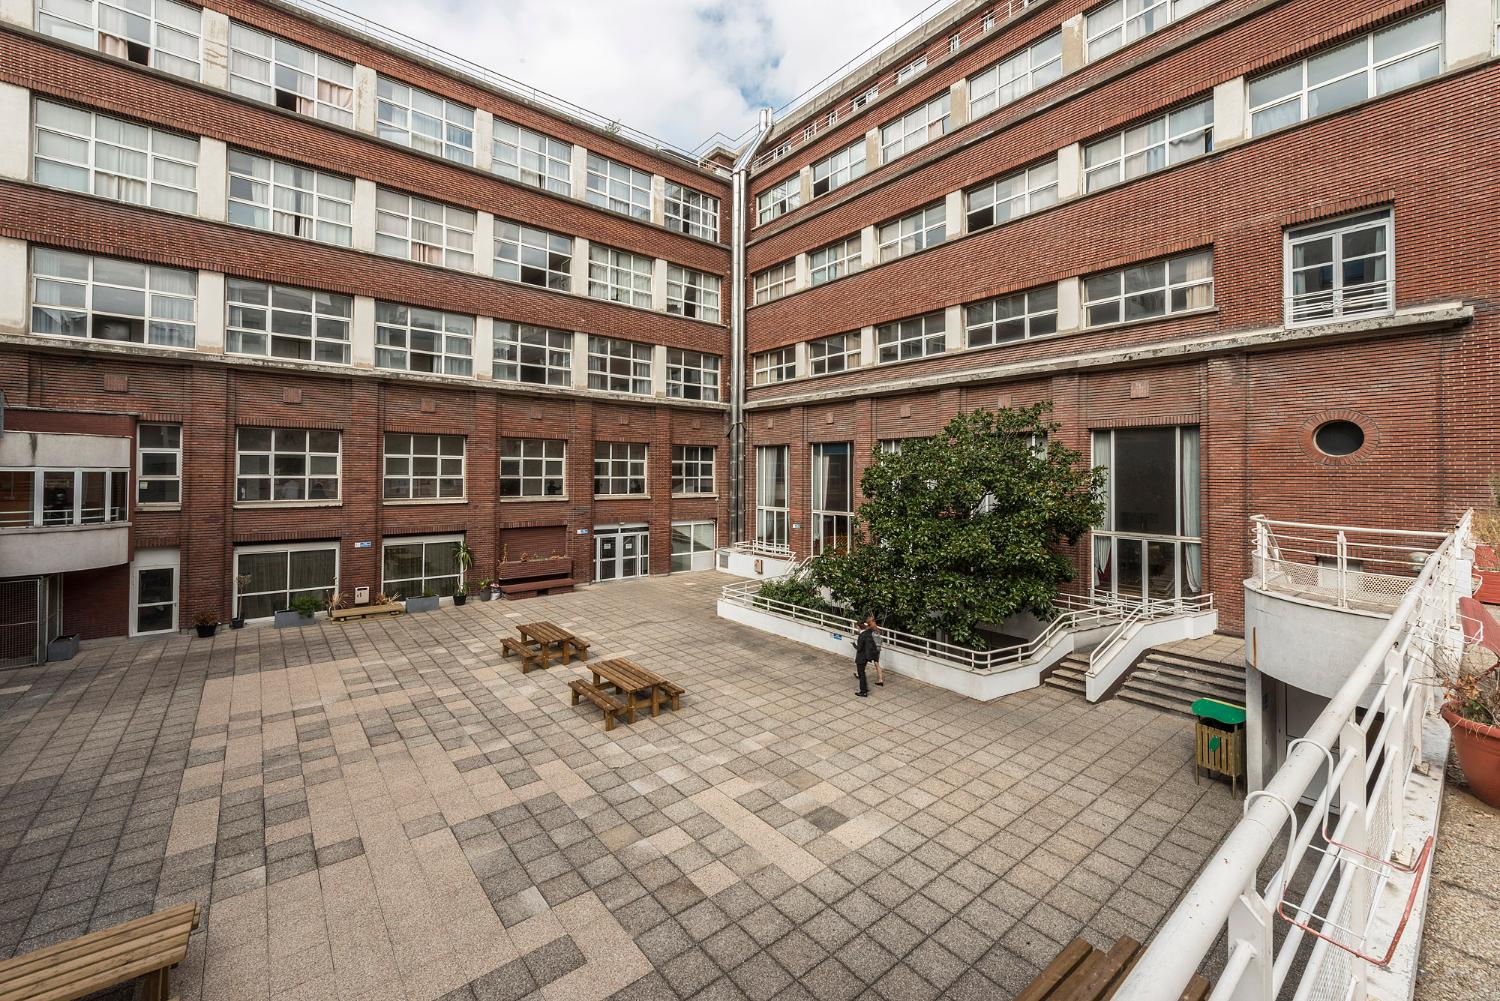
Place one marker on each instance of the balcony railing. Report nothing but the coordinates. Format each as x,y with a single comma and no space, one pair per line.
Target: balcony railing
1369,569
59,498
1343,303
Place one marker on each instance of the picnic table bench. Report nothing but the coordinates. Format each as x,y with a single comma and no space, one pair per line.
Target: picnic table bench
544,636
599,697
146,949
529,657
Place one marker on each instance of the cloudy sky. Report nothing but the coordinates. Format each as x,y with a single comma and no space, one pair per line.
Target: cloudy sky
678,69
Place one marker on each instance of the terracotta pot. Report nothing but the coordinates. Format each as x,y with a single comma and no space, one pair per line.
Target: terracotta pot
1488,588
1478,748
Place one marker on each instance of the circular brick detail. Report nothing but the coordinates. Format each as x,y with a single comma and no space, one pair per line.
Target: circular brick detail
1317,420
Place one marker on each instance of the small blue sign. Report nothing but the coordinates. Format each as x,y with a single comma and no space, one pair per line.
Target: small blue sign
583,531
796,524
363,545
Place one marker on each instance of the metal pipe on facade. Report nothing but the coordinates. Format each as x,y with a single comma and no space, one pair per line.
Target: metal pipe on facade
737,279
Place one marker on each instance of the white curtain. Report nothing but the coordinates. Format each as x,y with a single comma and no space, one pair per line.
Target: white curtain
1192,554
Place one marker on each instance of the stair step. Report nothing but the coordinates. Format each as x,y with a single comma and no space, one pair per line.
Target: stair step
1194,664
1188,682
1189,695
1177,706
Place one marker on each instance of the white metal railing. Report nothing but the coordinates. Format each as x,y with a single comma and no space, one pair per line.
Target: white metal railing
1363,760
1368,568
755,547
1150,610
1344,302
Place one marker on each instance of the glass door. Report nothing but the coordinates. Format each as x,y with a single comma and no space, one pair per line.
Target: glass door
153,588
621,551
1149,545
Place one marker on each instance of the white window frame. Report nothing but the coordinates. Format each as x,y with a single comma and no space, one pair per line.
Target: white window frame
65,154
692,293
531,158
617,187
773,521
834,354
440,465
275,196
143,479
700,556
834,171
1011,197
1150,146
836,260
290,76
691,211
914,337
399,106
306,453
425,231
774,282
147,560
286,549
1035,310
778,200
253,309
619,366
114,499
427,580
915,231
618,463
619,276
692,375
1015,76
691,468
915,129
911,69
523,347
520,458
1114,25
821,537
1135,277
533,256
87,298
417,339
1341,301
776,365
166,24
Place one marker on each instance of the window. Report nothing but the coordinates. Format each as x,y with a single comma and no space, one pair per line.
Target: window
424,467
115,159
413,117
909,234
619,469
286,464
620,276
911,69
778,200
278,575
158,464
1149,544
835,260
771,512
1339,269
413,339
692,293
283,198
159,33
413,567
618,187
838,353
832,495
775,366
1149,290
532,158
420,230
533,256
1012,317
1012,196
1162,142
533,467
775,282
917,337
692,212
280,321
1373,64
56,497
833,172
619,366
1030,69
693,544
863,99
154,591
693,469
915,129
1121,22
75,295
692,375
273,70
538,355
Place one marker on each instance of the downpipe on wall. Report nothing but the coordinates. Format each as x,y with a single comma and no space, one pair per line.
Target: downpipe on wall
737,278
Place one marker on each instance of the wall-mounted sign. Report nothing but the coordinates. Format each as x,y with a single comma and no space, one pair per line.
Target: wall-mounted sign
363,545
796,524
583,531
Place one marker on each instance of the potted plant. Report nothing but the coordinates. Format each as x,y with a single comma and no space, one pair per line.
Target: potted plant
238,620
207,623
302,612
460,595
485,594
464,557
1471,706
426,602
1487,556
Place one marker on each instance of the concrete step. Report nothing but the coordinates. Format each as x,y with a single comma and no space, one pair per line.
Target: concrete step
1209,685
1069,675
1186,695
1207,667
1175,706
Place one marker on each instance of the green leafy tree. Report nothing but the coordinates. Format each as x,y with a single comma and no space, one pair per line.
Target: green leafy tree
965,528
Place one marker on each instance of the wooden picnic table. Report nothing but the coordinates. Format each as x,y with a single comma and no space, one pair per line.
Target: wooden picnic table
545,635
633,680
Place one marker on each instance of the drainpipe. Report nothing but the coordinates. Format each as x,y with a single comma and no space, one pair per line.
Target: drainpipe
737,279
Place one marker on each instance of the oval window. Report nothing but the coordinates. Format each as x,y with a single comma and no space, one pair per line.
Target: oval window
1339,438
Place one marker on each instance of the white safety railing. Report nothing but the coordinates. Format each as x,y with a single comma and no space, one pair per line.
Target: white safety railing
770,550
1366,568
1344,302
1354,766
1150,610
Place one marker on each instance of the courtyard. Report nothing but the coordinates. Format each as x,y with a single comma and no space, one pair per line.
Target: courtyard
388,810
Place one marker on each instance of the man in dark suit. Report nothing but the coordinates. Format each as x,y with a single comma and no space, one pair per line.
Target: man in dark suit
866,651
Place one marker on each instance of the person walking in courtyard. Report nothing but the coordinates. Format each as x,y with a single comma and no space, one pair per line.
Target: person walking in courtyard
866,652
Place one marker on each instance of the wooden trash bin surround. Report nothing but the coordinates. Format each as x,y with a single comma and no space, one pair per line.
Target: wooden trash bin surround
1220,741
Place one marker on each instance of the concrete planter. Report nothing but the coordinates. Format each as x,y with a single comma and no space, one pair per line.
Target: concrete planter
63,648
287,618
422,604
1478,748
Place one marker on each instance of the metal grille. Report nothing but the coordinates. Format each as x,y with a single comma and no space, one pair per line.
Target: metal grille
20,632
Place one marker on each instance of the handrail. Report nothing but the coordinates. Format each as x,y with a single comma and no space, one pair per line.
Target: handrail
1150,609
1340,565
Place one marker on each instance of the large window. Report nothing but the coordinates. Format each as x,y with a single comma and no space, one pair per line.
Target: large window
112,158
1012,196
1150,542
1012,317
693,469
1121,22
532,158
413,339
158,464
280,574
533,467
412,567
533,256
692,293
420,230
620,276
424,467
1339,269
283,198
693,544
832,495
778,365
916,128
771,512
692,375
619,366
921,229
75,295
838,353
917,337
271,69
413,117
619,469
281,321
833,172
1030,69
835,260
286,464
618,187
538,355
778,200
1144,291
159,33
775,282
1372,64
1183,135
690,211
57,497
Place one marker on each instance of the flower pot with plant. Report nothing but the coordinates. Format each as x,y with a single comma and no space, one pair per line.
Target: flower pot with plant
302,612
241,582
485,594
464,557
425,602
460,596
1471,706
207,623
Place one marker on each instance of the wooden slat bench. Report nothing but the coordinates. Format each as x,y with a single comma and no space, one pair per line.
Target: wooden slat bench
532,588
672,691
145,949
530,656
600,698
365,611
1082,973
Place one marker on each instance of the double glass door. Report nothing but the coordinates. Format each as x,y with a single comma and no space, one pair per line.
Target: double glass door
621,551
1150,545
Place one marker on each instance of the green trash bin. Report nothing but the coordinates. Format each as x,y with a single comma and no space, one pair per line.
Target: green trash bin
1220,736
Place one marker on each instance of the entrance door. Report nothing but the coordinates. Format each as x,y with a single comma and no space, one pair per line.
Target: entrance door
621,551
153,592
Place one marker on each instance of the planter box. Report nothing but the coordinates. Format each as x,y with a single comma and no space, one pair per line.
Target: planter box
1478,748
288,618
557,566
422,604
63,648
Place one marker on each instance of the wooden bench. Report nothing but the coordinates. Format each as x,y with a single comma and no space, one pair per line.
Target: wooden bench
670,690
145,949
532,588
600,698
530,657
1082,973
365,611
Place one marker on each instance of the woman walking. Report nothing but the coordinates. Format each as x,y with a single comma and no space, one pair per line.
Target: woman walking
866,652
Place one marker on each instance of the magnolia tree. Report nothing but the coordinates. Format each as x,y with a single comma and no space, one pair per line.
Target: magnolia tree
965,528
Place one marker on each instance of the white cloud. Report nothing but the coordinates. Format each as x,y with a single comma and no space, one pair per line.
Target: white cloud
678,69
